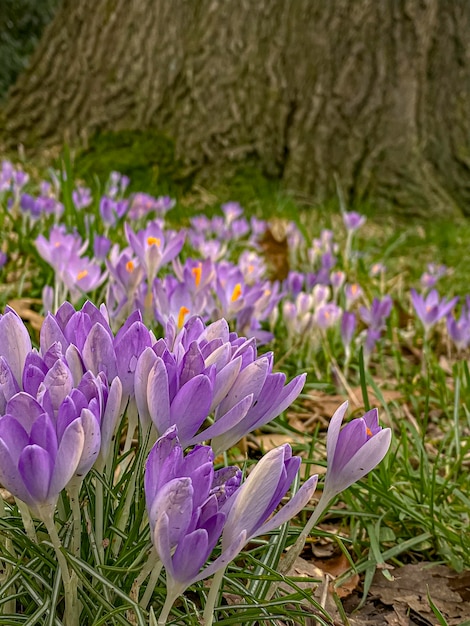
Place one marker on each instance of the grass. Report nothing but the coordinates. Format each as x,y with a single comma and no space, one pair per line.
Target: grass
414,507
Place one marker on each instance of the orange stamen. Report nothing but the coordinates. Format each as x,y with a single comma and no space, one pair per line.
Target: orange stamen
130,266
236,293
197,272
368,432
82,274
183,312
153,241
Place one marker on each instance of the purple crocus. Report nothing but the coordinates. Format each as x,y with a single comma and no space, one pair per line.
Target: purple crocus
82,197
50,430
348,327
154,247
186,503
260,495
459,329
377,315
353,220
431,309
352,451
200,371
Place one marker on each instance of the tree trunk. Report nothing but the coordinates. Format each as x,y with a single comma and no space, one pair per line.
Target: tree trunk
374,93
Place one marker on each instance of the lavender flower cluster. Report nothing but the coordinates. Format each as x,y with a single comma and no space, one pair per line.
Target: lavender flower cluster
167,274
61,406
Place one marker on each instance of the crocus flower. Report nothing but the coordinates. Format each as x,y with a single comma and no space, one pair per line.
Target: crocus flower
82,197
200,371
154,247
15,343
259,496
431,309
434,272
353,220
459,329
377,315
348,326
186,503
51,431
352,451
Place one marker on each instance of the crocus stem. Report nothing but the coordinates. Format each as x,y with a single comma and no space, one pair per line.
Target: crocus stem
72,613
74,495
8,607
212,597
99,518
125,513
169,601
27,520
151,586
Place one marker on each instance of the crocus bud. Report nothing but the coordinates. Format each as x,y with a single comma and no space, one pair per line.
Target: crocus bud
353,451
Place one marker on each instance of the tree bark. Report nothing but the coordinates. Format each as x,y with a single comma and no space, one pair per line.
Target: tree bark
372,93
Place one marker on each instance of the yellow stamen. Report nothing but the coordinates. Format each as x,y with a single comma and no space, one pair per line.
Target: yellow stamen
82,274
183,312
197,272
368,432
153,241
237,292
267,292
130,266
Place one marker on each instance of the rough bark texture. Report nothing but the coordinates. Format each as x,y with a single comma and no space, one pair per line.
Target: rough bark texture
374,92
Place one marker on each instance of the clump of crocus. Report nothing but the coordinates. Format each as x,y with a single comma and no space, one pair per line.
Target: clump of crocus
186,504
190,505
201,371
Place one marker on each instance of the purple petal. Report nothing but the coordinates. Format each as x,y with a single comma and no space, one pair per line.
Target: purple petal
25,408
51,333
298,502
43,434
224,423
141,381
92,442
174,500
111,416
250,381
14,342
10,477
59,383
158,397
224,381
98,352
190,555
190,406
251,506
14,436
35,467
68,456
333,430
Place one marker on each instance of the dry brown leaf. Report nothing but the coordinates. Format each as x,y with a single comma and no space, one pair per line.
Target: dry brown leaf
336,566
23,307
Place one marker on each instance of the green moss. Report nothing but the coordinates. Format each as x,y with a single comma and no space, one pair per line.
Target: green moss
147,157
